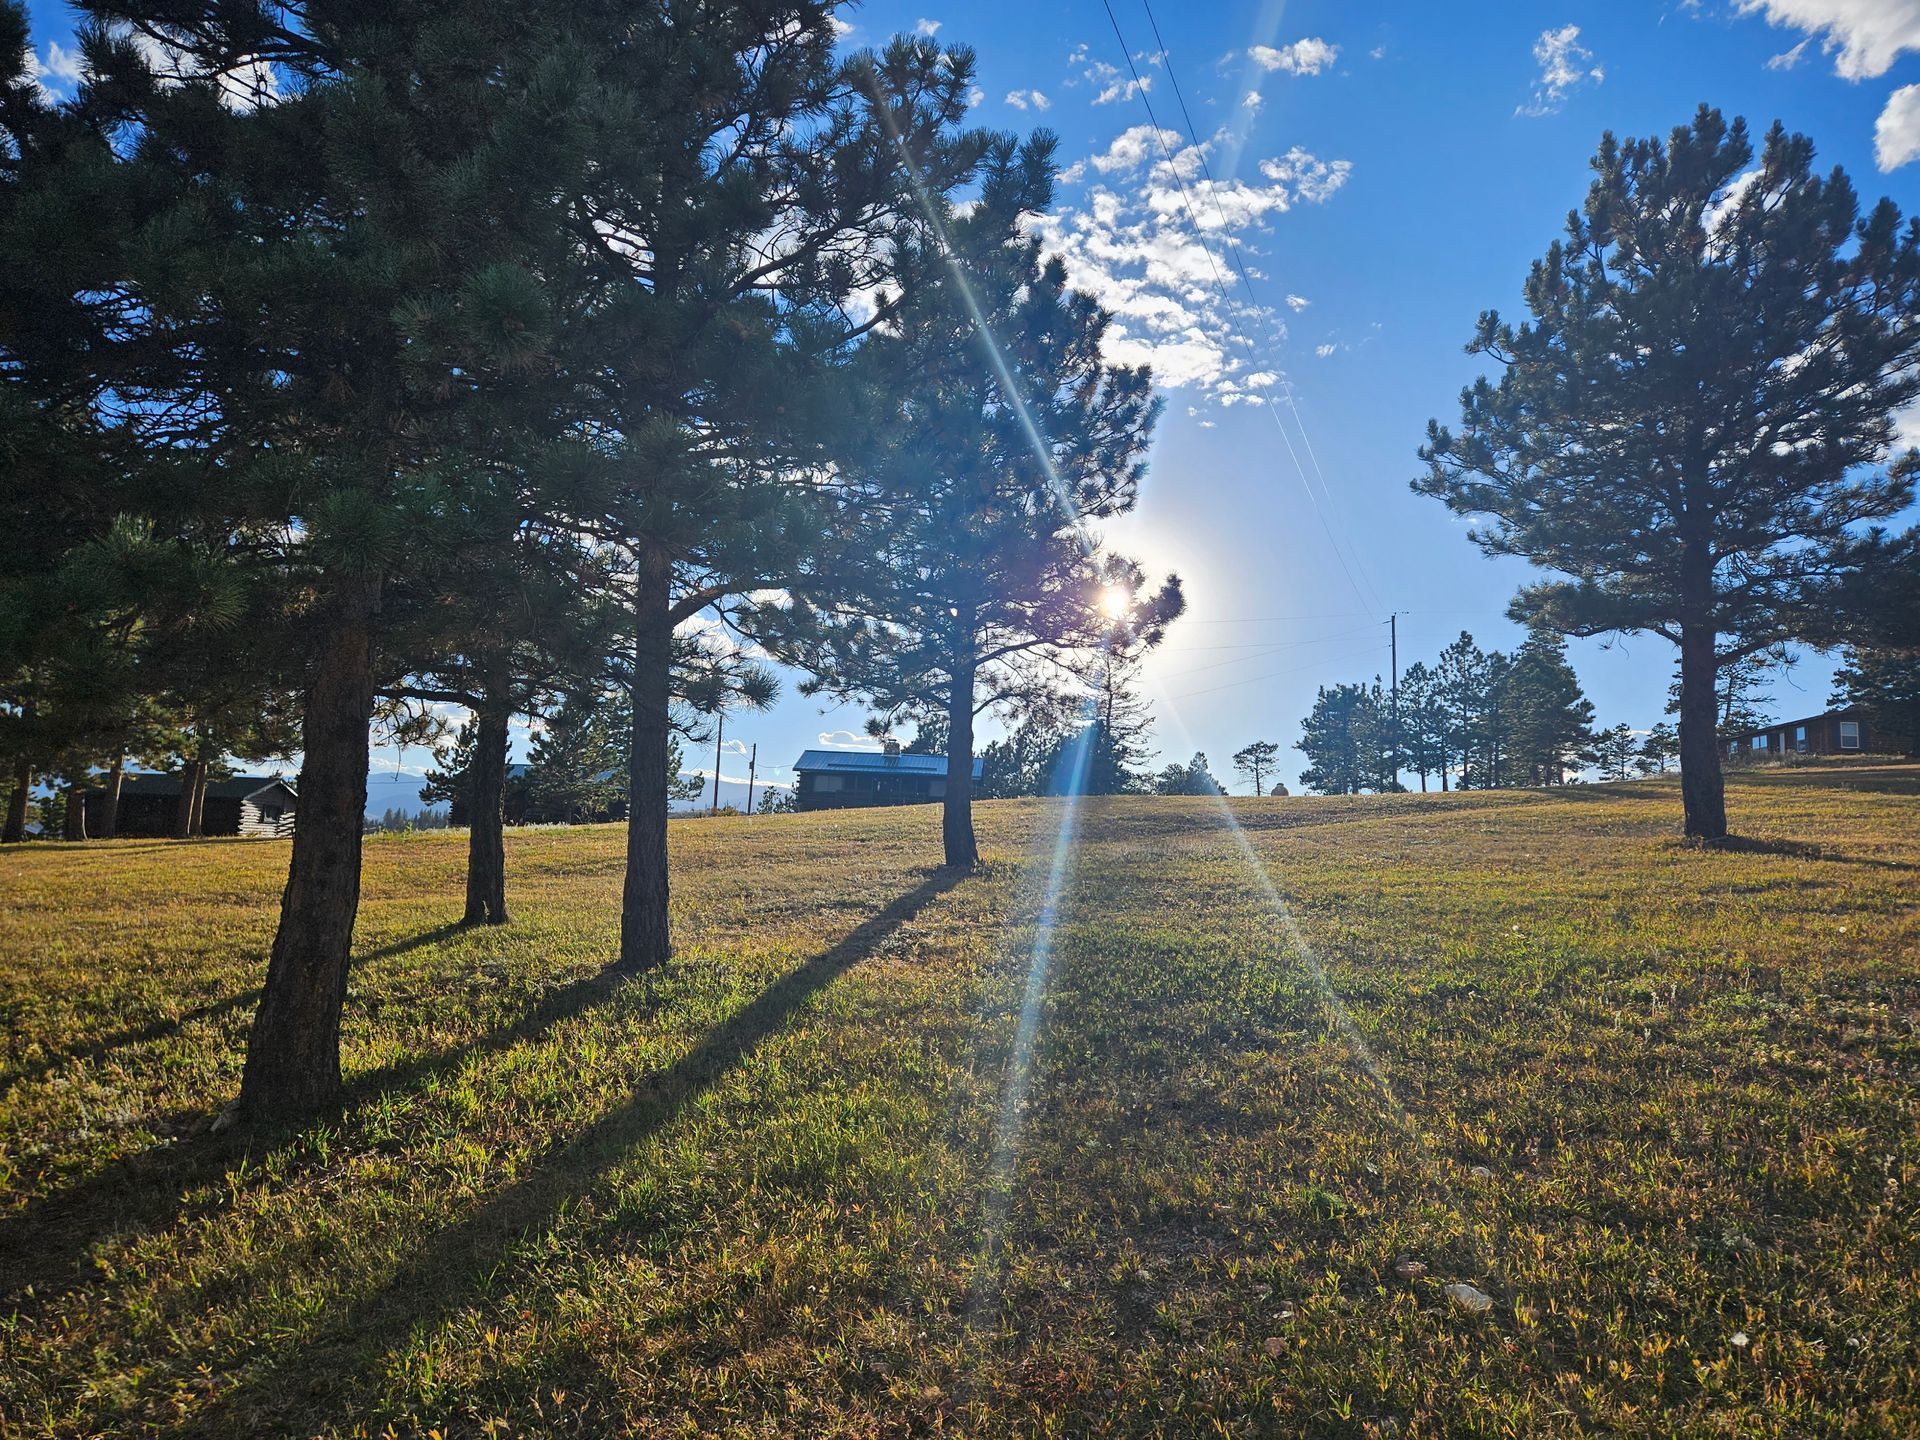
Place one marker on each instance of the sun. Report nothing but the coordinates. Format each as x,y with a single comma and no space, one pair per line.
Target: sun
1115,601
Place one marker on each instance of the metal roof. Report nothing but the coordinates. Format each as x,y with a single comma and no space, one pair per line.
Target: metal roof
875,762
233,787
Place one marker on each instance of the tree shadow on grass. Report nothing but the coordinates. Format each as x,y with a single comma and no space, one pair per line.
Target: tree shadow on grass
1802,850
46,1246
452,1267
162,1027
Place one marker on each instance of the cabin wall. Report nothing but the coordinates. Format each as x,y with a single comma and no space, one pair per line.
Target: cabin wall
271,821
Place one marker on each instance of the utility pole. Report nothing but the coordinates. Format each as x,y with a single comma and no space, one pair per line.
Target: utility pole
1393,643
753,762
719,734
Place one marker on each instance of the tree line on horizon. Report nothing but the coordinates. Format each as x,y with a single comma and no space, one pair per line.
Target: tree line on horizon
360,362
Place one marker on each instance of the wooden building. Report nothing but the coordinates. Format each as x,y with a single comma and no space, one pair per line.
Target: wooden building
1837,732
257,806
843,779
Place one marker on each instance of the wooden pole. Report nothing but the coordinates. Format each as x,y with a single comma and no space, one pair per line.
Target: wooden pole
753,761
719,734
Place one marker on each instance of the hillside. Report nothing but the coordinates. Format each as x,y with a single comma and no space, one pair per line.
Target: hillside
1656,1103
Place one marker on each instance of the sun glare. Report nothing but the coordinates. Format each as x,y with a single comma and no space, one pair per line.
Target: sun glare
1115,600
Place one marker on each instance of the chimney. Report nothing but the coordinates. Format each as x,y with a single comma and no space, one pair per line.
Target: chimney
890,747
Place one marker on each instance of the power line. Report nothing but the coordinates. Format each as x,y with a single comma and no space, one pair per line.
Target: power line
1219,286
1278,674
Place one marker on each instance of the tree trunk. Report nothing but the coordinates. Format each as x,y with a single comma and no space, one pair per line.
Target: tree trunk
183,812
16,827
956,812
75,827
1702,791
293,1056
110,807
486,799
203,772
646,937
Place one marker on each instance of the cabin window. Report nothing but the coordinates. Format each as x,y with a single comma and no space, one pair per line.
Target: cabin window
937,788
825,784
1849,734
1800,739
1759,742
270,814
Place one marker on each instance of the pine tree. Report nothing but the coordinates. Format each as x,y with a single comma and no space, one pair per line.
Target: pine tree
1549,719
1256,761
965,577
1193,778
1714,358
1615,752
1348,741
1423,723
1659,750
746,192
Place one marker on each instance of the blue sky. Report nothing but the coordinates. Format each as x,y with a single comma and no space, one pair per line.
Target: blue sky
1387,172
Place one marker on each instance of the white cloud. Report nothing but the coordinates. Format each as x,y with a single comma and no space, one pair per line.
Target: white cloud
1378,52
1907,428
1787,59
1323,351
846,740
1131,244
1110,86
1896,135
1253,100
1302,57
61,67
976,97
1297,303
1022,99
1564,66
1865,37
928,28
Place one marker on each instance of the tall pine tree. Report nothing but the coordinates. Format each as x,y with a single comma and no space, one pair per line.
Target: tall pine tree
1684,426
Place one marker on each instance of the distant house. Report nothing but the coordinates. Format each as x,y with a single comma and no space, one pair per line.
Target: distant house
260,806
1837,732
841,779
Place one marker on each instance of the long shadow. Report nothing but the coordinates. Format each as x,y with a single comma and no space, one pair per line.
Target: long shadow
47,1245
161,1028
454,1264
1802,850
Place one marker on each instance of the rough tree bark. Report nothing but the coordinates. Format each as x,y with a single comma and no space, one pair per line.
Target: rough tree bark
293,1055
110,807
646,938
956,811
16,826
202,773
183,811
74,825
486,801
1702,789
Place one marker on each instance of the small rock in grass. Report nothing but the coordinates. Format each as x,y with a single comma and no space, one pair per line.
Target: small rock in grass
1407,1268
1275,1347
1481,1172
1469,1298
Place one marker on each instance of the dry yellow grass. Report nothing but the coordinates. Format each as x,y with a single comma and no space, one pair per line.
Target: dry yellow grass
757,1195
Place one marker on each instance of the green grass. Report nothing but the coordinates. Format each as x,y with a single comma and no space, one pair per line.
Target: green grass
755,1195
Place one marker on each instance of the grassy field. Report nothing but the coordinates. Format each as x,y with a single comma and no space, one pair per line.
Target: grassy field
1657,1104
